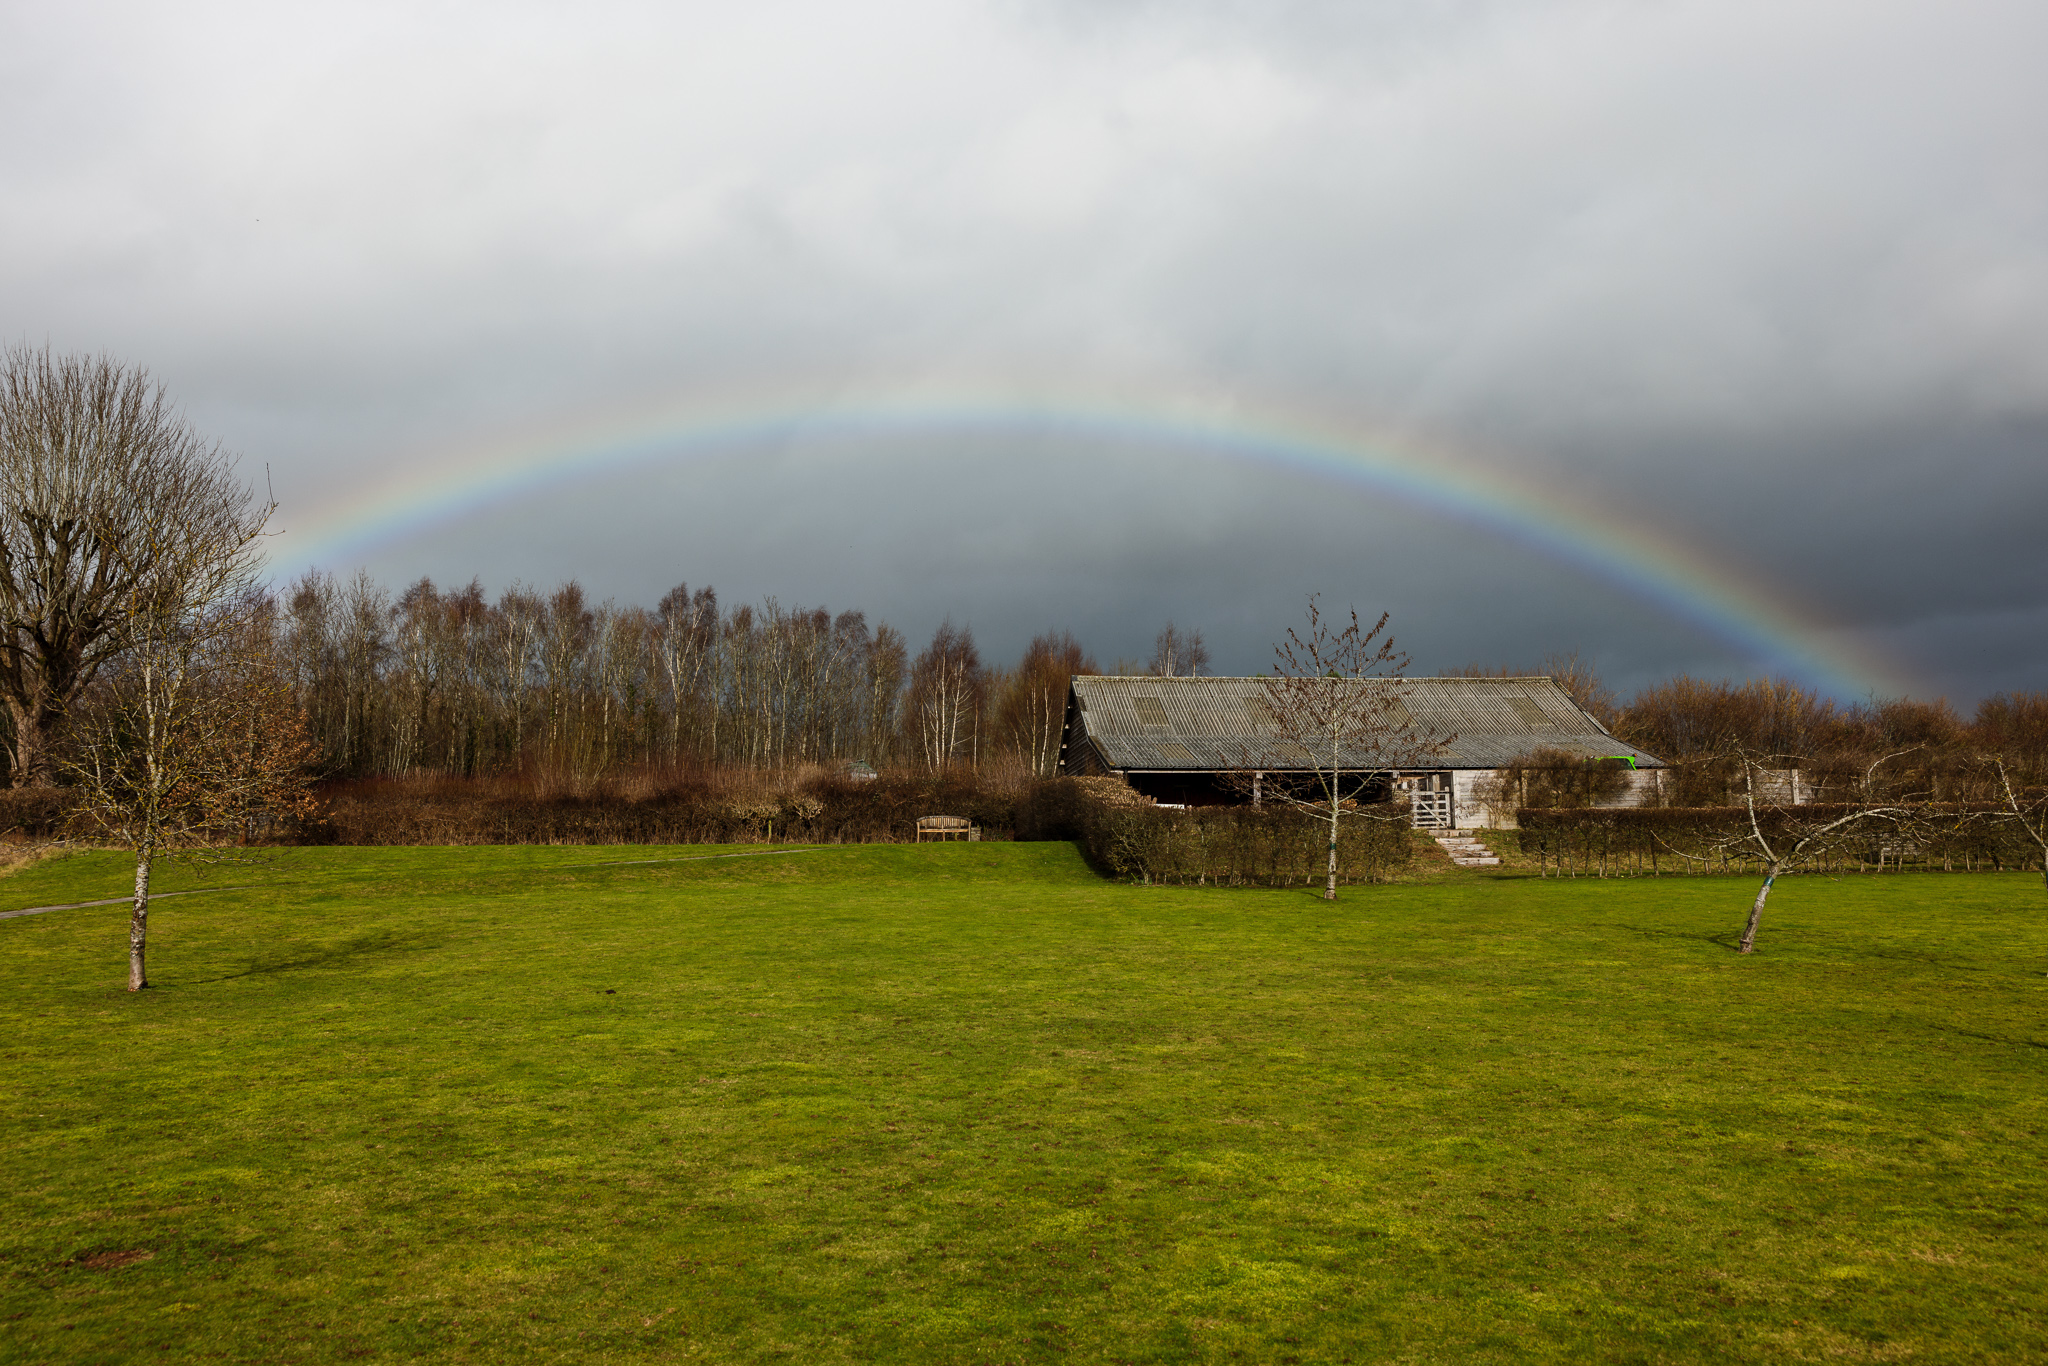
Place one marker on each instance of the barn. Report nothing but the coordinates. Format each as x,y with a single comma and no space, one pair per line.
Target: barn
1191,741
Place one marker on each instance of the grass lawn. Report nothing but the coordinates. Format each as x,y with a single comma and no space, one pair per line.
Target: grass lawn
970,1103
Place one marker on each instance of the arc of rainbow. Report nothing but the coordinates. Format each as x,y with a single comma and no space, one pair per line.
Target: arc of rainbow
1651,565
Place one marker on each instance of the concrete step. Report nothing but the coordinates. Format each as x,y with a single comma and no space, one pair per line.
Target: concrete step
1467,852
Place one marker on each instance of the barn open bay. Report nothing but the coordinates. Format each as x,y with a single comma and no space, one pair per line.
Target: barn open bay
975,1103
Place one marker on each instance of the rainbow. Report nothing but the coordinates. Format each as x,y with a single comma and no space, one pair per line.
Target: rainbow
1650,563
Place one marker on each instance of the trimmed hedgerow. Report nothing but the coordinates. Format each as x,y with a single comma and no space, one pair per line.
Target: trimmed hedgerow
1632,841
1126,835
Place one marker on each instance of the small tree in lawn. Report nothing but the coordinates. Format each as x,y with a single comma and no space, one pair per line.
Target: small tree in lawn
2028,807
1790,841
187,731
1336,701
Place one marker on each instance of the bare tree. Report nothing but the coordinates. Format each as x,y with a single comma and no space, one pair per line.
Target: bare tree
1176,653
363,647
520,622
1337,703
160,751
881,690
619,651
687,644
1033,709
2030,809
1793,838
94,459
564,659
419,674
946,687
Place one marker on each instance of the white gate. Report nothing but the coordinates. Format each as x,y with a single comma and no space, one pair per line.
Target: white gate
1429,800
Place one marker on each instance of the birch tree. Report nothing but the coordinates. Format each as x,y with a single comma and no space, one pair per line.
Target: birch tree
882,682
1336,699
160,749
687,644
1033,710
1177,653
946,686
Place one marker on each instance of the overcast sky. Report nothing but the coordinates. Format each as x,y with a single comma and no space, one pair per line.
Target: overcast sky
1769,282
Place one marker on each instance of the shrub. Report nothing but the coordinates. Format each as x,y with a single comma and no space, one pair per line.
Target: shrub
34,813
1552,778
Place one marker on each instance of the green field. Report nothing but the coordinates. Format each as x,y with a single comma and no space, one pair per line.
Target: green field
971,1103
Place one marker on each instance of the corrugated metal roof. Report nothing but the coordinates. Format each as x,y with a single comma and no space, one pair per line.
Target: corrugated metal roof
1223,723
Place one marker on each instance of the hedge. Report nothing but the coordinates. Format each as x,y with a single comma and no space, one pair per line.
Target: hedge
1635,841
1272,845
823,811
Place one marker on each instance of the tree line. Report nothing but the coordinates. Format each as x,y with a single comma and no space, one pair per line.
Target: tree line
450,682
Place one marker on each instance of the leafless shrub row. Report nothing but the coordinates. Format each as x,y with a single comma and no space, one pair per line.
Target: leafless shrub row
1686,841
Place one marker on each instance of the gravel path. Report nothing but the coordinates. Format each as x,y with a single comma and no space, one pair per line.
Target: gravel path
110,901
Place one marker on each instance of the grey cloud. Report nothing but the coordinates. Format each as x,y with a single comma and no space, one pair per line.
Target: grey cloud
1772,277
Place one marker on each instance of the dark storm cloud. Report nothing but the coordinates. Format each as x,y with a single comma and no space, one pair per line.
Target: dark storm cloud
1770,278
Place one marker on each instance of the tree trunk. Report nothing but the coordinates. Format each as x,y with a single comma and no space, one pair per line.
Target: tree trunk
1756,909
1330,888
1336,779
34,728
138,921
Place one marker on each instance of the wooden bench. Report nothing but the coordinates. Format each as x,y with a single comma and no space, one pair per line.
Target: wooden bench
946,828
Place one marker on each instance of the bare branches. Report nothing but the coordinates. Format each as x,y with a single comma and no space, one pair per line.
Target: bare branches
1325,703
1338,707
1177,653
1033,701
948,690
103,485
1805,837
2031,814
1870,773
